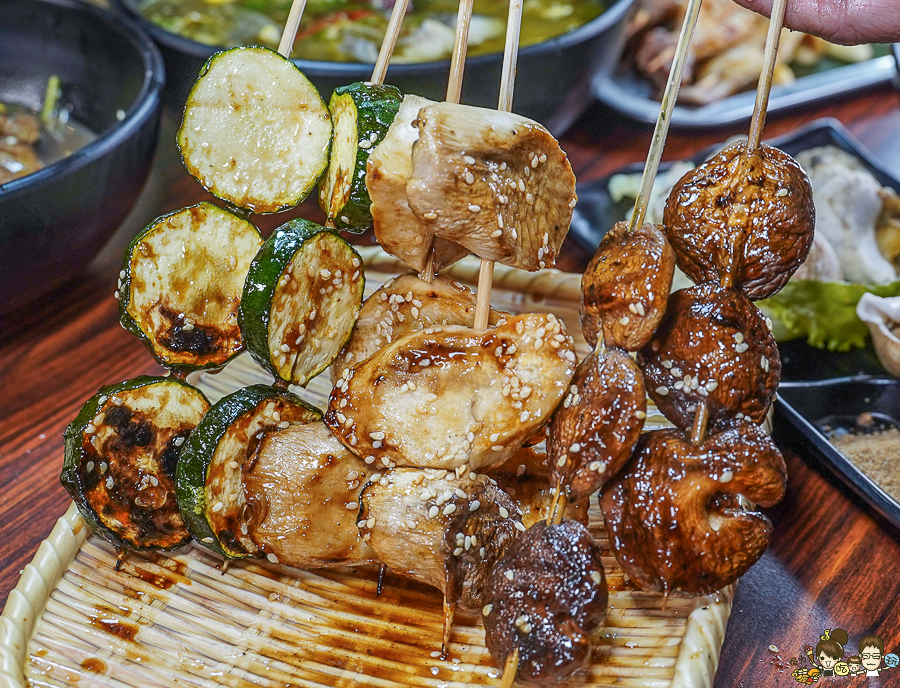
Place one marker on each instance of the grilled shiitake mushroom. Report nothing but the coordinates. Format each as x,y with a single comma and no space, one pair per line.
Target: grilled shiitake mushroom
406,304
450,396
594,430
625,286
744,219
676,514
494,182
713,347
545,598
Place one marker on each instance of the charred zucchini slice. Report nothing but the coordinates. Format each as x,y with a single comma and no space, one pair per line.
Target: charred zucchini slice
181,284
120,461
255,131
361,114
301,299
209,481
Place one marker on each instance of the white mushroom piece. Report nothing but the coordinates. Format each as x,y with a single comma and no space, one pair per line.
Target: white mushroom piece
451,396
494,182
406,304
389,167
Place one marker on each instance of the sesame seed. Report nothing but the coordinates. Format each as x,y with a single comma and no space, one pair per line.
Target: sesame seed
433,511
741,348
487,609
469,159
217,507
504,513
781,193
496,233
596,576
509,574
365,143
272,558
624,320
739,337
727,476
662,391
469,177
575,448
474,207
352,505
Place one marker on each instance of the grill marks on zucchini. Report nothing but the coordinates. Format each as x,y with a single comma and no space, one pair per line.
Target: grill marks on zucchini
301,299
182,282
255,131
209,482
362,113
121,454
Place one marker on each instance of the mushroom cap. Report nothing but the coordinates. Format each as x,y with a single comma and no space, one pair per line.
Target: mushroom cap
713,347
546,596
743,219
676,514
626,285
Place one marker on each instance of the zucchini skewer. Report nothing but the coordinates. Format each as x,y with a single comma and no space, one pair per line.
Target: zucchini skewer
120,460
181,283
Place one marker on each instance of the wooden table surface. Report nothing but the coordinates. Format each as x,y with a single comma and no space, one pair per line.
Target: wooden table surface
832,561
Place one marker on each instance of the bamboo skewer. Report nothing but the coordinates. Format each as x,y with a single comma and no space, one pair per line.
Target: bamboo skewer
390,41
507,89
290,28
665,115
454,87
773,38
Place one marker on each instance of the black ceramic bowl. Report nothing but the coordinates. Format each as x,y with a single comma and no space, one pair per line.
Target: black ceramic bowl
553,82
54,221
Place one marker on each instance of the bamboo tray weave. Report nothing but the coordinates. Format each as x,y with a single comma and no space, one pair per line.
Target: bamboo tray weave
184,619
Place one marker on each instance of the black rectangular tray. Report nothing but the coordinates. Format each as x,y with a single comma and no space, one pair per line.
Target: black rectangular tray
811,407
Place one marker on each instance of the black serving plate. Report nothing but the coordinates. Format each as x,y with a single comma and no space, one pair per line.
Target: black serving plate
631,95
816,408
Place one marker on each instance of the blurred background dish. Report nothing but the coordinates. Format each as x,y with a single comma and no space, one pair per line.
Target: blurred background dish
555,76
97,139
720,79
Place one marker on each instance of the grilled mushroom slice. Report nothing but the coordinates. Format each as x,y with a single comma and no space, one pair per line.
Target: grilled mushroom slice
545,598
302,491
451,396
714,347
745,219
440,529
406,304
594,430
494,182
626,285
388,169
677,516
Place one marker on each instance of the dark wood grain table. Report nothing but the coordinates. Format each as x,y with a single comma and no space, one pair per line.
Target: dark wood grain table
832,562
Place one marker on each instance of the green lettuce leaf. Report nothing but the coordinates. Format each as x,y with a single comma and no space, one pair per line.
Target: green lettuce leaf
823,312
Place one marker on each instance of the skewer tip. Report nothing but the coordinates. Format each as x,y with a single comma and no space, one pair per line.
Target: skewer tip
510,670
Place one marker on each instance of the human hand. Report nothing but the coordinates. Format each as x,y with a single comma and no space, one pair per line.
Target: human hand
839,21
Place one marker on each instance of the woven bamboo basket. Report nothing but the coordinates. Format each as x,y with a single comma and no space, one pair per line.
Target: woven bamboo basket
185,619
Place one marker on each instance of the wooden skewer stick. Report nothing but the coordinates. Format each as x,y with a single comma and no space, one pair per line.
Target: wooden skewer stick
773,38
507,88
510,669
665,115
701,418
389,42
454,87
290,28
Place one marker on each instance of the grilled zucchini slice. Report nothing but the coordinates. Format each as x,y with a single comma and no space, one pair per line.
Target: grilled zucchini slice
301,299
361,113
209,480
120,460
181,284
255,131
